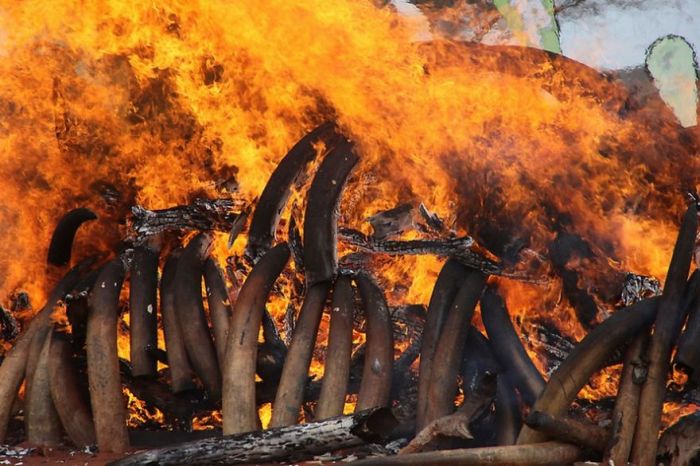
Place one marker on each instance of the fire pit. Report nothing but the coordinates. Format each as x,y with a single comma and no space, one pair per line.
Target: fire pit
469,254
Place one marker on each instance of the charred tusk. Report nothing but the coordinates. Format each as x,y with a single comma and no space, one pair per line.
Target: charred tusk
321,217
41,418
274,197
191,316
443,380
239,407
219,306
510,352
66,393
12,369
143,319
290,391
508,418
444,292
62,239
178,362
106,398
321,265
375,388
586,358
337,366
666,330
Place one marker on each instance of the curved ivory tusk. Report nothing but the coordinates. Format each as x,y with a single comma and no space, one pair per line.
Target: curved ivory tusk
106,398
239,407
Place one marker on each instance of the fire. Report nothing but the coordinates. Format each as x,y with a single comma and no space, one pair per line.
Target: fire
116,103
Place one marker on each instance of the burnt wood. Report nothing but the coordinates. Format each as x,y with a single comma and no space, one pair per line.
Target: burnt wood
448,353
178,362
106,398
61,245
191,317
322,209
202,214
509,350
588,357
666,330
292,443
274,197
143,308
448,282
336,372
12,369
375,388
239,408
67,394
458,248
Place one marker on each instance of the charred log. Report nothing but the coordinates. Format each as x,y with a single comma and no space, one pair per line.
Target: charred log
66,393
320,220
191,317
375,389
457,248
202,214
143,305
570,430
106,398
448,353
666,330
448,282
13,367
61,245
219,306
588,357
293,443
178,362
337,365
538,454
239,408
274,197
41,418
510,352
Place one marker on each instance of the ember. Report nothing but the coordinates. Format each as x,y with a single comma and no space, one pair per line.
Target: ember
197,278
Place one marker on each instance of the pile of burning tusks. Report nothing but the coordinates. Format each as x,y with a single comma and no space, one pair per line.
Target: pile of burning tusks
498,379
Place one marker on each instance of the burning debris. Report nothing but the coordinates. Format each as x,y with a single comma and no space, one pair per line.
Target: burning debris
542,186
